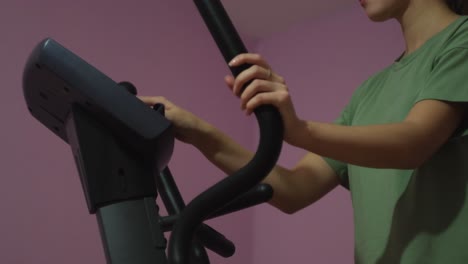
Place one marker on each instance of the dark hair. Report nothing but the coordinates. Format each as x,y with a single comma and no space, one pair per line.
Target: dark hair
458,6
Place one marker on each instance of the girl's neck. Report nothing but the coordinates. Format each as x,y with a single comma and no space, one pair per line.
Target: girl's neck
422,20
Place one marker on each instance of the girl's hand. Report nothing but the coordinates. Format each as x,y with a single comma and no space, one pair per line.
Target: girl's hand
267,87
185,123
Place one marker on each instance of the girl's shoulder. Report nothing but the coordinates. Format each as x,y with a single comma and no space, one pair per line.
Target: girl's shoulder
456,35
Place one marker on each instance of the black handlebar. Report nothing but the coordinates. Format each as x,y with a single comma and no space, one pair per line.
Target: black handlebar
268,150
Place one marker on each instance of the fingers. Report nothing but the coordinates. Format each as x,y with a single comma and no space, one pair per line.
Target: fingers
260,70
257,86
277,99
249,58
263,92
152,100
265,87
254,72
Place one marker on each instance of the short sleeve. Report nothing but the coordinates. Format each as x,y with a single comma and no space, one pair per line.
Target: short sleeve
341,168
448,80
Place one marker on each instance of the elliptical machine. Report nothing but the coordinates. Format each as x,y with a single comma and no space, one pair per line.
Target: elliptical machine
122,147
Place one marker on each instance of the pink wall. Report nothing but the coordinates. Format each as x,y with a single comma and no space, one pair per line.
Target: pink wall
163,47
323,60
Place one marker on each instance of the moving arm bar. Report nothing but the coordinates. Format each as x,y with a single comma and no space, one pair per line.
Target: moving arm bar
265,158
260,194
174,204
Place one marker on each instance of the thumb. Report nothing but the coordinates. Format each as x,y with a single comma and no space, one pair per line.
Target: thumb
229,81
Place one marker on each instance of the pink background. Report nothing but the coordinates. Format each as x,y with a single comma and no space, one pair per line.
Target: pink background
164,49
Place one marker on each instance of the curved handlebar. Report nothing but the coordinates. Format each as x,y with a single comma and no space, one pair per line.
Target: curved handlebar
268,150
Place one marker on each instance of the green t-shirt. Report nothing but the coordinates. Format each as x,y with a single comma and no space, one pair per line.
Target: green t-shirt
413,216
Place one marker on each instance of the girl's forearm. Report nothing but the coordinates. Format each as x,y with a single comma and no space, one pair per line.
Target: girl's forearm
397,145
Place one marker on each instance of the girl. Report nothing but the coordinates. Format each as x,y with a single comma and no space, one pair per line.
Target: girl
399,145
